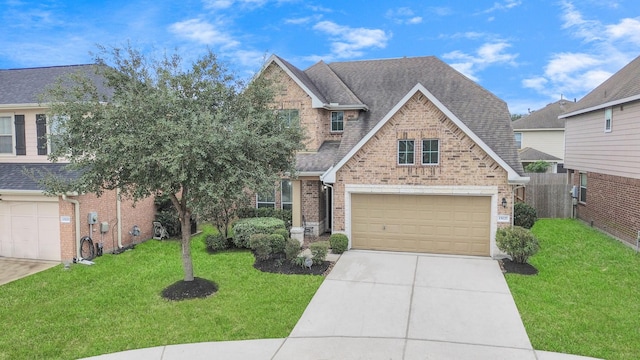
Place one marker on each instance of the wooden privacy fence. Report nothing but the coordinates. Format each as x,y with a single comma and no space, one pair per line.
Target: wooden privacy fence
549,195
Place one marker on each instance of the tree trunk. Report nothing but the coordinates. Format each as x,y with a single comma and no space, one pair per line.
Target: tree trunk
187,262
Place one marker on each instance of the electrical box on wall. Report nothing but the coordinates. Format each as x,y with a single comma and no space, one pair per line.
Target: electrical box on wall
104,227
92,218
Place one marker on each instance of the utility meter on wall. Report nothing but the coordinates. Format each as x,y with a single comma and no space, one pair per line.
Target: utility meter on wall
92,218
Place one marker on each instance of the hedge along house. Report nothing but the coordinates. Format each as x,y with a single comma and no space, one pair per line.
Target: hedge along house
32,224
401,154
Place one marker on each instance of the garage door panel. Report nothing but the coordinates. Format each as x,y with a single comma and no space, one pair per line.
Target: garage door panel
30,229
424,223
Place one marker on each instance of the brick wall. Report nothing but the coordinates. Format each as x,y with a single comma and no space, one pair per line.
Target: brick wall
106,207
612,204
462,162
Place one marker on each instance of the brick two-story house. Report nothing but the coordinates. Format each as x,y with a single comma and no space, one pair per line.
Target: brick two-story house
36,226
602,151
402,154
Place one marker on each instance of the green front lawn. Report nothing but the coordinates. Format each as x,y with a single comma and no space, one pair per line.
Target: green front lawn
586,298
116,305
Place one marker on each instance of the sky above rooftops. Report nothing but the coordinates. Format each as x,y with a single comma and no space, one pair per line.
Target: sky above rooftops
528,53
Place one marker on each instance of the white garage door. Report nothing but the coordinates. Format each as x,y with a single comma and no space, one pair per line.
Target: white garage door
421,223
30,230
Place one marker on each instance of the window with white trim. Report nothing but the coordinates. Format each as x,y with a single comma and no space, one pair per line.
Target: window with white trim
608,119
430,152
286,194
6,134
518,137
266,199
54,131
337,121
583,188
406,152
289,117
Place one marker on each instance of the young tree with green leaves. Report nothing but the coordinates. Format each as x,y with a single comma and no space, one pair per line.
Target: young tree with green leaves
196,133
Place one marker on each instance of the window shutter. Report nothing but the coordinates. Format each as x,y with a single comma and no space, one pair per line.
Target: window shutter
41,131
21,146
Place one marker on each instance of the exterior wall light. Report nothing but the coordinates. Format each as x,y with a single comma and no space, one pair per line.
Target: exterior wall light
504,203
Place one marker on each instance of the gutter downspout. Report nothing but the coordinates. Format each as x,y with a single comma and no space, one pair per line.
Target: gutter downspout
76,209
119,217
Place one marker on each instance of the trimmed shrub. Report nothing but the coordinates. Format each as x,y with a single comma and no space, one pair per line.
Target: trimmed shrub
277,243
339,243
524,215
319,251
299,261
518,242
284,215
243,229
291,249
283,232
216,242
261,246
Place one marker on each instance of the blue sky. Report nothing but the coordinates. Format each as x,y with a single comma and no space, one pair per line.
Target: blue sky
526,52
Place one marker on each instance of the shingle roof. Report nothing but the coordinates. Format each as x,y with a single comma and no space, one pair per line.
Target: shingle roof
15,176
381,84
531,154
23,86
545,118
621,85
320,160
333,89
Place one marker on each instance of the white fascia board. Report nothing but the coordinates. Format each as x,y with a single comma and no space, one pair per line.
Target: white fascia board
309,173
23,106
20,192
330,175
339,107
601,106
538,129
315,102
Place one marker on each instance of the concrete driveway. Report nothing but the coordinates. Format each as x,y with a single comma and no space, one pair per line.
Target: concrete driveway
381,305
13,269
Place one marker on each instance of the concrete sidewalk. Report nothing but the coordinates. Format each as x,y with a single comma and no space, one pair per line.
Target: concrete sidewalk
12,269
381,305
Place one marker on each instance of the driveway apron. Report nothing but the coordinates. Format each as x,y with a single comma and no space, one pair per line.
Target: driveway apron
381,305
13,269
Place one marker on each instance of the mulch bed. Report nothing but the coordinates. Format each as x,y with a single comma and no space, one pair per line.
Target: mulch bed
512,267
184,290
280,265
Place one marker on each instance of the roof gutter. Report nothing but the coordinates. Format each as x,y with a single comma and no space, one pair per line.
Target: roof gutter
22,106
21,192
519,180
338,107
309,173
601,106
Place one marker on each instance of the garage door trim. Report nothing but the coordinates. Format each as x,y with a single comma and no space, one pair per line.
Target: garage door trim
490,191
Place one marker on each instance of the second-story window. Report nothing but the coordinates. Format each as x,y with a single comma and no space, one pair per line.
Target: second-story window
608,119
405,152
289,117
6,134
337,121
518,137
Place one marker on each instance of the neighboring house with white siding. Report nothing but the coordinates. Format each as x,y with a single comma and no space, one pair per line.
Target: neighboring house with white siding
602,153
540,135
34,225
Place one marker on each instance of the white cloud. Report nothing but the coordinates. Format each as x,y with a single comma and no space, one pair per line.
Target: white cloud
203,32
403,15
488,54
225,4
608,47
626,30
348,42
441,10
507,5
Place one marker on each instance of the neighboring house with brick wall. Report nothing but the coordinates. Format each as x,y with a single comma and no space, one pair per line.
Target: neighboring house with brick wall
602,154
540,135
36,226
402,154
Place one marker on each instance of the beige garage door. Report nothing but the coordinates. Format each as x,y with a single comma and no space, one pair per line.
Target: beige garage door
30,230
421,223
